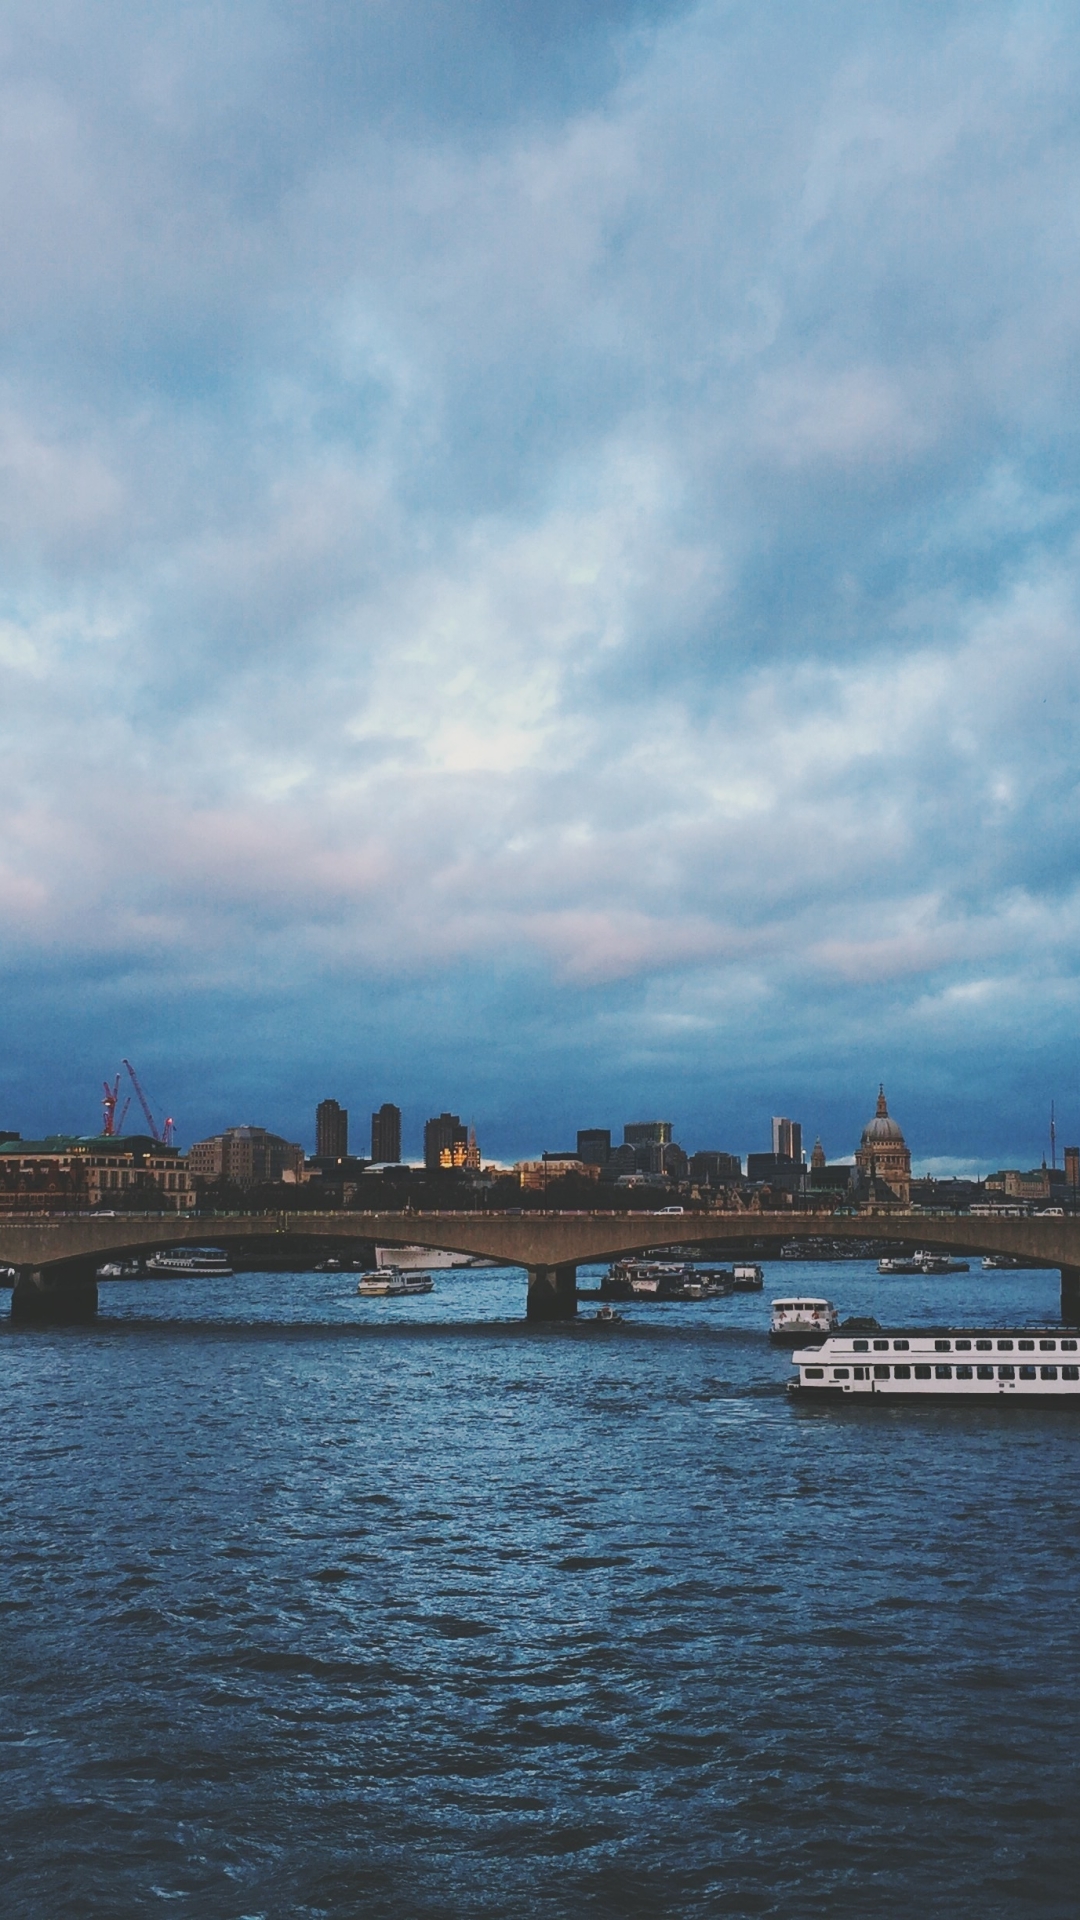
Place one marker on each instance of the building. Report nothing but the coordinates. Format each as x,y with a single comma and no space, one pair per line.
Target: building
386,1135
72,1172
883,1154
787,1139
538,1174
817,1159
442,1134
331,1130
594,1146
248,1156
1072,1170
775,1170
709,1169
648,1133
463,1155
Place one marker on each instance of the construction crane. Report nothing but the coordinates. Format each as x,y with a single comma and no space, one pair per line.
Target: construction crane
109,1097
162,1135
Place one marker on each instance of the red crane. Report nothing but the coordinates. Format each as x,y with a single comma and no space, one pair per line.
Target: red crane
110,1096
163,1134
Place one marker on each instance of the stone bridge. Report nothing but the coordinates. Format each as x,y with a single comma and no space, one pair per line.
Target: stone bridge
56,1256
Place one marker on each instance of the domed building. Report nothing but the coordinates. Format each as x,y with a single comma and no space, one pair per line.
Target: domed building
883,1153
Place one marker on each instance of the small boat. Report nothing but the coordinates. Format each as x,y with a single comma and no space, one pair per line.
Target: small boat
795,1321
1001,1262
186,1263
120,1270
898,1263
939,1263
607,1316
330,1266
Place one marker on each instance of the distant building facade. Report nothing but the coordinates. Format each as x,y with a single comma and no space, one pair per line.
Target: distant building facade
594,1146
386,1134
883,1155
537,1174
787,1139
449,1146
68,1171
331,1130
248,1156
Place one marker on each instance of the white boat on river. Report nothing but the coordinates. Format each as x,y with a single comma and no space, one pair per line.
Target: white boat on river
985,1364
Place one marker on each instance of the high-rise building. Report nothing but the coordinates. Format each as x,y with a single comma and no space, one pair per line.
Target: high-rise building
331,1130
386,1134
648,1133
594,1146
442,1134
787,1139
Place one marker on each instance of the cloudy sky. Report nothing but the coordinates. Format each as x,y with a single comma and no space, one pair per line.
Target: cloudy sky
540,565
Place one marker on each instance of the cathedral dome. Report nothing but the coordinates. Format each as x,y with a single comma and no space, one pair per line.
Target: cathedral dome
881,1130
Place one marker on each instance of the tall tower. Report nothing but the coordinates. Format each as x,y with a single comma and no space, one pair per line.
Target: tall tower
386,1134
331,1130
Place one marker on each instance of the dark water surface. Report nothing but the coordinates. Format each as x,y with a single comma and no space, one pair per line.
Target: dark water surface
321,1606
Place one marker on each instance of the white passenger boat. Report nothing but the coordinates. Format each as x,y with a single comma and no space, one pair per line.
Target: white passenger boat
185,1263
1026,1364
380,1283
794,1321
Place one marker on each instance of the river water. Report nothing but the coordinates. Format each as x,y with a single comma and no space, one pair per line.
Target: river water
321,1606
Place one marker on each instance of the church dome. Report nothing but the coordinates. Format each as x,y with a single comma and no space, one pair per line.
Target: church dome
882,1130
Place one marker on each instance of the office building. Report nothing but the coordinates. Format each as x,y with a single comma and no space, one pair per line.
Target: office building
331,1130
594,1146
67,1172
709,1169
787,1139
648,1133
444,1134
248,1156
1072,1169
386,1134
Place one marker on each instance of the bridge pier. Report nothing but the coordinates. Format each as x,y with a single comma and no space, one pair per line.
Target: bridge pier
1070,1296
42,1298
552,1293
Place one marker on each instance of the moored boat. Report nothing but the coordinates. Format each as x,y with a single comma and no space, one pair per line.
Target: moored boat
1026,1364
184,1263
747,1277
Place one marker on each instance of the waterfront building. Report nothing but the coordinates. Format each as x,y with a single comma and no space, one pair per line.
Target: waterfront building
331,1130
883,1155
248,1156
594,1146
386,1135
69,1171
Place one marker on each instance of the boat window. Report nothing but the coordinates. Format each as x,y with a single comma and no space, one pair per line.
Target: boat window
861,1346
1068,1346
963,1373
881,1373
987,1373
1070,1373
902,1373
1048,1373
1026,1346
861,1373
942,1346
963,1346
814,1373
840,1373
1048,1346
922,1373
1006,1373
1004,1346
943,1373
901,1346
984,1346
881,1346
1027,1373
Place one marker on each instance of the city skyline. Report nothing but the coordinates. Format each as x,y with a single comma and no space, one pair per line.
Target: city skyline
560,568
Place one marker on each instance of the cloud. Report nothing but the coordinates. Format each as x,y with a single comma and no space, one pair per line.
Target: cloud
579,512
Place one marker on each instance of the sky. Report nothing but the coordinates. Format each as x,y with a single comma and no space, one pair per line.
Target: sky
540,566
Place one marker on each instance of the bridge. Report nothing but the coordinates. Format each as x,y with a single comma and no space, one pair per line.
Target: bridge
56,1257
